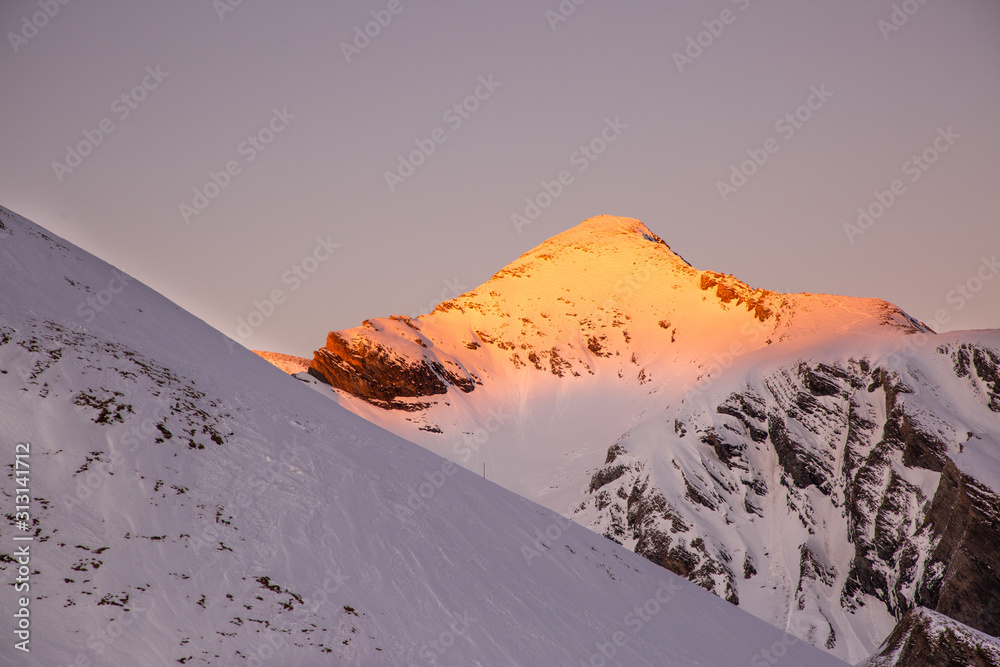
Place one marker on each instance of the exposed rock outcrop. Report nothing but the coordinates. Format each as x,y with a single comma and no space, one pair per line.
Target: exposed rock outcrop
924,638
374,373
924,533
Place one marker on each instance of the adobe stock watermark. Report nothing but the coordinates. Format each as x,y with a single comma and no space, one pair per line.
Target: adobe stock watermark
958,297
98,302
562,12
898,17
295,276
248,149
262,483
363,35
223,7
966,291
625,288
31,25
721,360
100,641
99,470
264,653
635,620
472,442
434,649
786,126
914,168
773,654
122,107
555,530
455,116
21,517
464,449
452,289
697,44
581,158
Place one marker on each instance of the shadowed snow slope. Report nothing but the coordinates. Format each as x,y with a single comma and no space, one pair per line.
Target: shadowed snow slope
189,503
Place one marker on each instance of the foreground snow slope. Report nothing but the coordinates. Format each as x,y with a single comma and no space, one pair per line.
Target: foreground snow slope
192,504
824,462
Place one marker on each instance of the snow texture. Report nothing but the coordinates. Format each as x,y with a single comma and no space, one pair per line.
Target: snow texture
191,504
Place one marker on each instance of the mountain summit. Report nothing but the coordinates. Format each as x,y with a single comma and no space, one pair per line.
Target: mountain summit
827,463
608,294
181,502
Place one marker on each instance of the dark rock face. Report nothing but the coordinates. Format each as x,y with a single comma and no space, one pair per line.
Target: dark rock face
641,513
373,373
923,638
728,289
605,476
961,575
976,362
851,431
964,583
883,509
749,411
802,465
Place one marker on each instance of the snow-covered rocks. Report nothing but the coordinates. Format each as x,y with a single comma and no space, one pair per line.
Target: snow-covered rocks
925,637
191,504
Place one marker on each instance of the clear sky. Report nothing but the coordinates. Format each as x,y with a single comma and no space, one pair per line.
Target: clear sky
117,115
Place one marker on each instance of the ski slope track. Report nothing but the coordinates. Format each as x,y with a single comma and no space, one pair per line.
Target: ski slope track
826,463
191,504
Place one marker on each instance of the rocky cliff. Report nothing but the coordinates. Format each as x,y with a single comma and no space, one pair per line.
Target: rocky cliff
924,638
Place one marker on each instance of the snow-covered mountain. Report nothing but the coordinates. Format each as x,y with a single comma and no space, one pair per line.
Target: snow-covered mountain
824,462
187,503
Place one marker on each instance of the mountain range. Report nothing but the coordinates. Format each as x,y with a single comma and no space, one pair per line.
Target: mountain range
171,498
829,464
679,470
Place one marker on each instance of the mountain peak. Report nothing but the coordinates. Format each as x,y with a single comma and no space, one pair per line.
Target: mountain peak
607,232
749,440
221,513
606,298
609,225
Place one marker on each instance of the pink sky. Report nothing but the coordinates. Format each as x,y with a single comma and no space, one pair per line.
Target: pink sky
746,134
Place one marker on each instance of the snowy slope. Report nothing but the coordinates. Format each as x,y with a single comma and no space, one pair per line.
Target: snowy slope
763,445
285,362
191,504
